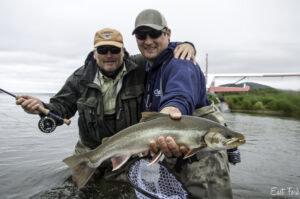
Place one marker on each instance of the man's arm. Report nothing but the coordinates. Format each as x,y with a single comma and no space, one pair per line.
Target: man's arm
186,51
180,86
62,104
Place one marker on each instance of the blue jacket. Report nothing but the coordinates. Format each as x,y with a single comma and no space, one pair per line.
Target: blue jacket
174,82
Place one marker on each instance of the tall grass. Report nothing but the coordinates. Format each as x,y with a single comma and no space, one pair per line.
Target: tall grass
265,99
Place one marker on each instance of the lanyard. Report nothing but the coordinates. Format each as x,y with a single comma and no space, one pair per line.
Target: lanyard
149,95
150,85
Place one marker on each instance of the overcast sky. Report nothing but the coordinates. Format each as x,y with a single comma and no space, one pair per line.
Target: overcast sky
43,42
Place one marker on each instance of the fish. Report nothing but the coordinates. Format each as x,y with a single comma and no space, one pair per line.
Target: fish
196,133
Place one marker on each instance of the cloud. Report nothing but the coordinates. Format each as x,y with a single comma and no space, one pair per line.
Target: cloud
44,41
31,71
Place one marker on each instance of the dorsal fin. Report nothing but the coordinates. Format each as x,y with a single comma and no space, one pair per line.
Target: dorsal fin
104,139
147,116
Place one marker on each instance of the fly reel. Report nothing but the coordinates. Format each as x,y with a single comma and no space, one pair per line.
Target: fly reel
47,124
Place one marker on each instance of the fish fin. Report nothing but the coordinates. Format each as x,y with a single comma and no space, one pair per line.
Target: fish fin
156,158
104,139
147,116
82,172
118,161
193,151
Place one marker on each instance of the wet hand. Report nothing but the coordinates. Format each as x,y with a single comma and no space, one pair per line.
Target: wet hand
168,147
29,104
185,51
174,112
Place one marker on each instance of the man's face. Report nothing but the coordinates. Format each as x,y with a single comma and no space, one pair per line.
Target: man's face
152,42
109,58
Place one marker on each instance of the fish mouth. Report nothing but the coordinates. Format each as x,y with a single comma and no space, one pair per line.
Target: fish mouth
234,142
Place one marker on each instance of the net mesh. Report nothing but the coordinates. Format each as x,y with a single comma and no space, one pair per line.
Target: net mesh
155,181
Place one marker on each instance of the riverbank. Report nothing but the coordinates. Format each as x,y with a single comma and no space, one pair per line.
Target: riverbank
264,101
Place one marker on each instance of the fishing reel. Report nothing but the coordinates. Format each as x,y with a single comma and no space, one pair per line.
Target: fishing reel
47,124
234,156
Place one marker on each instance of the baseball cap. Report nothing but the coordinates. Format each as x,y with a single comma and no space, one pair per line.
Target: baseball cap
150,18
108,36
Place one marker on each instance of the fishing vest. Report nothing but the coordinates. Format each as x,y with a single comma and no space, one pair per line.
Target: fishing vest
92,125
81,94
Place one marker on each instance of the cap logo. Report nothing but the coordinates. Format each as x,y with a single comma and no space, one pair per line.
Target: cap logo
107,35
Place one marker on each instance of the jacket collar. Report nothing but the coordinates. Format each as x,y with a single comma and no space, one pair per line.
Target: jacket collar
166,54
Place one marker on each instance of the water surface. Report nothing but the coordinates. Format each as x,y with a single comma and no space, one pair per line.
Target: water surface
31,161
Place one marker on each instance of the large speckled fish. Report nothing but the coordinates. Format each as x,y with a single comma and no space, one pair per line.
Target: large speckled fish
196,133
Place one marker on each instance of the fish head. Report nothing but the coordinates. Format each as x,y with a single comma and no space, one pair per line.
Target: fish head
223,138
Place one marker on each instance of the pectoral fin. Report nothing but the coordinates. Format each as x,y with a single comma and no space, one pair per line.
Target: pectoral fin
156,158
192,152
118,161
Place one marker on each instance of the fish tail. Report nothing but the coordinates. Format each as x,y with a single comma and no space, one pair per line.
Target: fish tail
82,172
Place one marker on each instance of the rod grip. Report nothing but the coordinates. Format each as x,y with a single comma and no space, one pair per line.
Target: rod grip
67,122
44,110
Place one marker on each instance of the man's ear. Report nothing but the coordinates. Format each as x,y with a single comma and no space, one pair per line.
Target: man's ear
168,33
94,53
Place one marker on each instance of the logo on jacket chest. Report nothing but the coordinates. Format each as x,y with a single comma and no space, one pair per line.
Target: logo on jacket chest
157,92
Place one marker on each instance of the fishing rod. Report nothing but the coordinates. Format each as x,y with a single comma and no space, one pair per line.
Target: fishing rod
46,124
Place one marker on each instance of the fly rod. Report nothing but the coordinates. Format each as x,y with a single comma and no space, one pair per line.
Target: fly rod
46,124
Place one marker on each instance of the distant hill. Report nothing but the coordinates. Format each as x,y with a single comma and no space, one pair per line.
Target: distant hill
251,84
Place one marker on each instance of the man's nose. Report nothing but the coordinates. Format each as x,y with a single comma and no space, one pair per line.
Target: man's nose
148,39
108,54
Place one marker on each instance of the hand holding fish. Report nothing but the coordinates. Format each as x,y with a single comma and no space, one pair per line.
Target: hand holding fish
167,145
174,112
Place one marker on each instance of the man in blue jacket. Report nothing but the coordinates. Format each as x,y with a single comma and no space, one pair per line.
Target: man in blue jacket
175,86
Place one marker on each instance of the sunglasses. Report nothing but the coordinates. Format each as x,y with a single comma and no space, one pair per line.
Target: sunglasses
103,50
153,34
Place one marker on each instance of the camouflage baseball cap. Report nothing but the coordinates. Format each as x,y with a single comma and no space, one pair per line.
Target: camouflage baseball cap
150,18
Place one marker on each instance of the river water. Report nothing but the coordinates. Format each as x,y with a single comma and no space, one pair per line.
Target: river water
31,162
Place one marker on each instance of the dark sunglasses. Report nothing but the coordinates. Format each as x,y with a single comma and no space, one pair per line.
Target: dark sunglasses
103,50
153,34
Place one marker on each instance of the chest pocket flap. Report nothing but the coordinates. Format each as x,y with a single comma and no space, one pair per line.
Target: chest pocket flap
132,92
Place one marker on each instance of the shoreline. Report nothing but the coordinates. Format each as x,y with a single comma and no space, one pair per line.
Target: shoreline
267,112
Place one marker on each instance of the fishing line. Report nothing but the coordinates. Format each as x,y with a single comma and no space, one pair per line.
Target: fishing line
46,124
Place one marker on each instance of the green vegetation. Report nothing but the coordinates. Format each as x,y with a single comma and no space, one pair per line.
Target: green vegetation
265,100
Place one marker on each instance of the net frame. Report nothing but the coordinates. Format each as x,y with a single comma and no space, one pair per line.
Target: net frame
154,181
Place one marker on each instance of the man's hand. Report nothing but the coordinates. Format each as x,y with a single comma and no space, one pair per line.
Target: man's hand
174,112
185,51
167,145
29,104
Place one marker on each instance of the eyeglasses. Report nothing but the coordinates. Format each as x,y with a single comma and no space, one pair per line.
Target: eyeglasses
153,34
103,50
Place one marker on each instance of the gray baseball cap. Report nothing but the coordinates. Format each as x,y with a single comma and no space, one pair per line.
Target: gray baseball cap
150,18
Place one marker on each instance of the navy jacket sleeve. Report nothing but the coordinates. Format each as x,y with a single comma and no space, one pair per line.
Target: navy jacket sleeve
181,85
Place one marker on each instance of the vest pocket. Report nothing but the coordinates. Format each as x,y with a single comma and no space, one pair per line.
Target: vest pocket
132,103
87,120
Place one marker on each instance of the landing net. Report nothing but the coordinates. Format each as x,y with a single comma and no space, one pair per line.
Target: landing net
154,181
